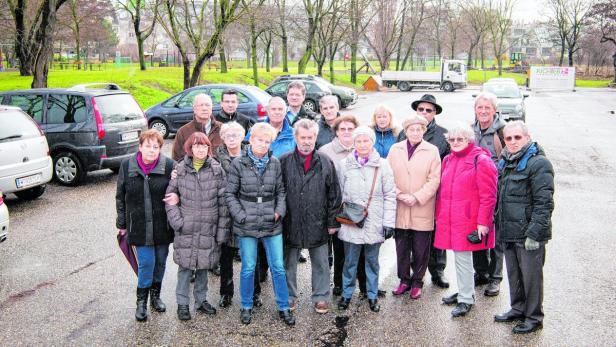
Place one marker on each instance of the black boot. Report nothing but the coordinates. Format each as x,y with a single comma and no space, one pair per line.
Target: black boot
157,304
184,312
141,313
374,305
287,317
245,315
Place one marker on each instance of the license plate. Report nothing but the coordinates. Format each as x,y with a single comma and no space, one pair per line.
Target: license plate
130,136
28,180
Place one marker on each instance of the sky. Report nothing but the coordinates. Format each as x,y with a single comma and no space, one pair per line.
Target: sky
527,10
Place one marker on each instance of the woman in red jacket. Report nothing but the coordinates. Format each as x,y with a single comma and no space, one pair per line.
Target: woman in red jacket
465,205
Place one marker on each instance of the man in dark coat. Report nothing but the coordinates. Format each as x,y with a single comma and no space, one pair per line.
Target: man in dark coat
523,220
329,113
296,95
229,102
427,107
313,199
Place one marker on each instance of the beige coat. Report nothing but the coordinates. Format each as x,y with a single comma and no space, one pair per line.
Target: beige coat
420,177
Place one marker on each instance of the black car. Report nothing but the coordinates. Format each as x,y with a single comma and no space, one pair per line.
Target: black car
169,115
314,92
346,96
87,128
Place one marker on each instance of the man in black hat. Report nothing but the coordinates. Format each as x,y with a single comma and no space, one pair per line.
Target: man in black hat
427,107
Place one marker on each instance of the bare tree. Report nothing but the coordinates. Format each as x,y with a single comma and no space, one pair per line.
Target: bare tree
359,18
453,24
141,11
420,13
280,30
195,31
603,15
499,25
314,12
329,35
567,21
475,21
34,28
439,14
382,34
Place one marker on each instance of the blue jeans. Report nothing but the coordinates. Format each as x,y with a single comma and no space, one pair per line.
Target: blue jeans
152,261
275,260
349,271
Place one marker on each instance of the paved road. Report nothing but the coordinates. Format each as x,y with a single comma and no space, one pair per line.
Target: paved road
63,281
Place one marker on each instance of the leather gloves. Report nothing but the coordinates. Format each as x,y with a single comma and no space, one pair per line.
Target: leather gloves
388,232
531,245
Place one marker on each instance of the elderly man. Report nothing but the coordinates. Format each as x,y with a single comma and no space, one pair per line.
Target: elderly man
284,141
488,128
203,122
329,112
296,94
313,199
427,107
229,102
523,220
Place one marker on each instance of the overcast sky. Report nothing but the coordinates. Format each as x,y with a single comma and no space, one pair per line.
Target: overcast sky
526,10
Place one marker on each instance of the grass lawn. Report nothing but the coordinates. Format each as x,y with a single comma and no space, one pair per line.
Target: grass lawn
155,84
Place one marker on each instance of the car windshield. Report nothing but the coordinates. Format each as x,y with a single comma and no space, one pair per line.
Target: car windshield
323,80
503,90
16,125
116,108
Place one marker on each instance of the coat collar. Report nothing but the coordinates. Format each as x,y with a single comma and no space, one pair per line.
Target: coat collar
374,160
159,169
338,147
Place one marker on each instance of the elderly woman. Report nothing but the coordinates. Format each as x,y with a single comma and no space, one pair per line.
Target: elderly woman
366,179
256,199
417,168
465,210
200,221
142,182
384,129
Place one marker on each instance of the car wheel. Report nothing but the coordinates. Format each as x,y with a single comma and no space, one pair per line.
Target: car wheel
310,105
67,169
31,193
448,87
404,86
340,103
161,127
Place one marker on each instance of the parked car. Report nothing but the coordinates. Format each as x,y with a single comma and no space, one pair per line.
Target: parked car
346,96
168,116
510,99
314,92
4,219
25,164
502,80
88,127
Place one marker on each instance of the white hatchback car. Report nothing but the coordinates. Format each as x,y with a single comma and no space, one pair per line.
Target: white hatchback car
4,219
25,164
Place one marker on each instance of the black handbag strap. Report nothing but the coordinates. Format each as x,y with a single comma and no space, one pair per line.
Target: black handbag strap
376,170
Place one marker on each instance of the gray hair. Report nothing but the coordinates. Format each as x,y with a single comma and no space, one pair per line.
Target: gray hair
307,124
263,129
461,129
487,96
298,85
202,95
232,126
329,99
278,100
517,124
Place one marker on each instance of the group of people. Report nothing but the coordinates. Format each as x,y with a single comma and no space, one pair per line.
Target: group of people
290,182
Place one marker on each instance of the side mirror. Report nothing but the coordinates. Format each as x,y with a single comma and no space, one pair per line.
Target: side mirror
525,95
474,95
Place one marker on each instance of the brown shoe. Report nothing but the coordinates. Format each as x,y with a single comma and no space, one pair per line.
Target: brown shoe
321,307
292,305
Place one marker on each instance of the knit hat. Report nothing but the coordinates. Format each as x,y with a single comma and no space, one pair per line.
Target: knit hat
364,130
414,120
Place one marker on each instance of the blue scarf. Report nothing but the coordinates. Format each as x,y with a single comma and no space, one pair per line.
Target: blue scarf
530,152
260,163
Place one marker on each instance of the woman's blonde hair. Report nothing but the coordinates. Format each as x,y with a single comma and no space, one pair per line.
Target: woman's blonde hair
263,129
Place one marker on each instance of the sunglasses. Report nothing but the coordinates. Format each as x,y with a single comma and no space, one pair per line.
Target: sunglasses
456,139
427,110
511,138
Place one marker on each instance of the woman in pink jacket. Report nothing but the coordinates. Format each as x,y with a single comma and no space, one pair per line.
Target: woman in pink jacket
465,205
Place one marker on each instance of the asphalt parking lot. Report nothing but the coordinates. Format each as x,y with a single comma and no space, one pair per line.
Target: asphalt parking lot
63,280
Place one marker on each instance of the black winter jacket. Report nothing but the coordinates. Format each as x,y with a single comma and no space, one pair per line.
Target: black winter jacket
435,134
326,133
245,188
313,200
139,202
525,198
245,121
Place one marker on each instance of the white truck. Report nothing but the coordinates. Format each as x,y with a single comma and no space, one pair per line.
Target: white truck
451,76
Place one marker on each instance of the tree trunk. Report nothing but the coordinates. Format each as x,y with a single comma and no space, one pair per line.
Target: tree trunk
482,52
285,52
253,52
186,68
399,50
354,63
222,56
331,69
140,49
268,62
570,54
562,52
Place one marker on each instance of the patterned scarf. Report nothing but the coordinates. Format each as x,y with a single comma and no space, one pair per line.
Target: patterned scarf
260,163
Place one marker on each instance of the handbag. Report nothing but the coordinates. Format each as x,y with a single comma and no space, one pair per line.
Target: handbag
355,214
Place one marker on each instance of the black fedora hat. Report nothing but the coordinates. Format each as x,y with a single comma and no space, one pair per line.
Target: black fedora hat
429,98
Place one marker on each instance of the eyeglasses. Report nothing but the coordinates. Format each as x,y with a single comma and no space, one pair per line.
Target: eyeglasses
427,110
515,137
456,139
